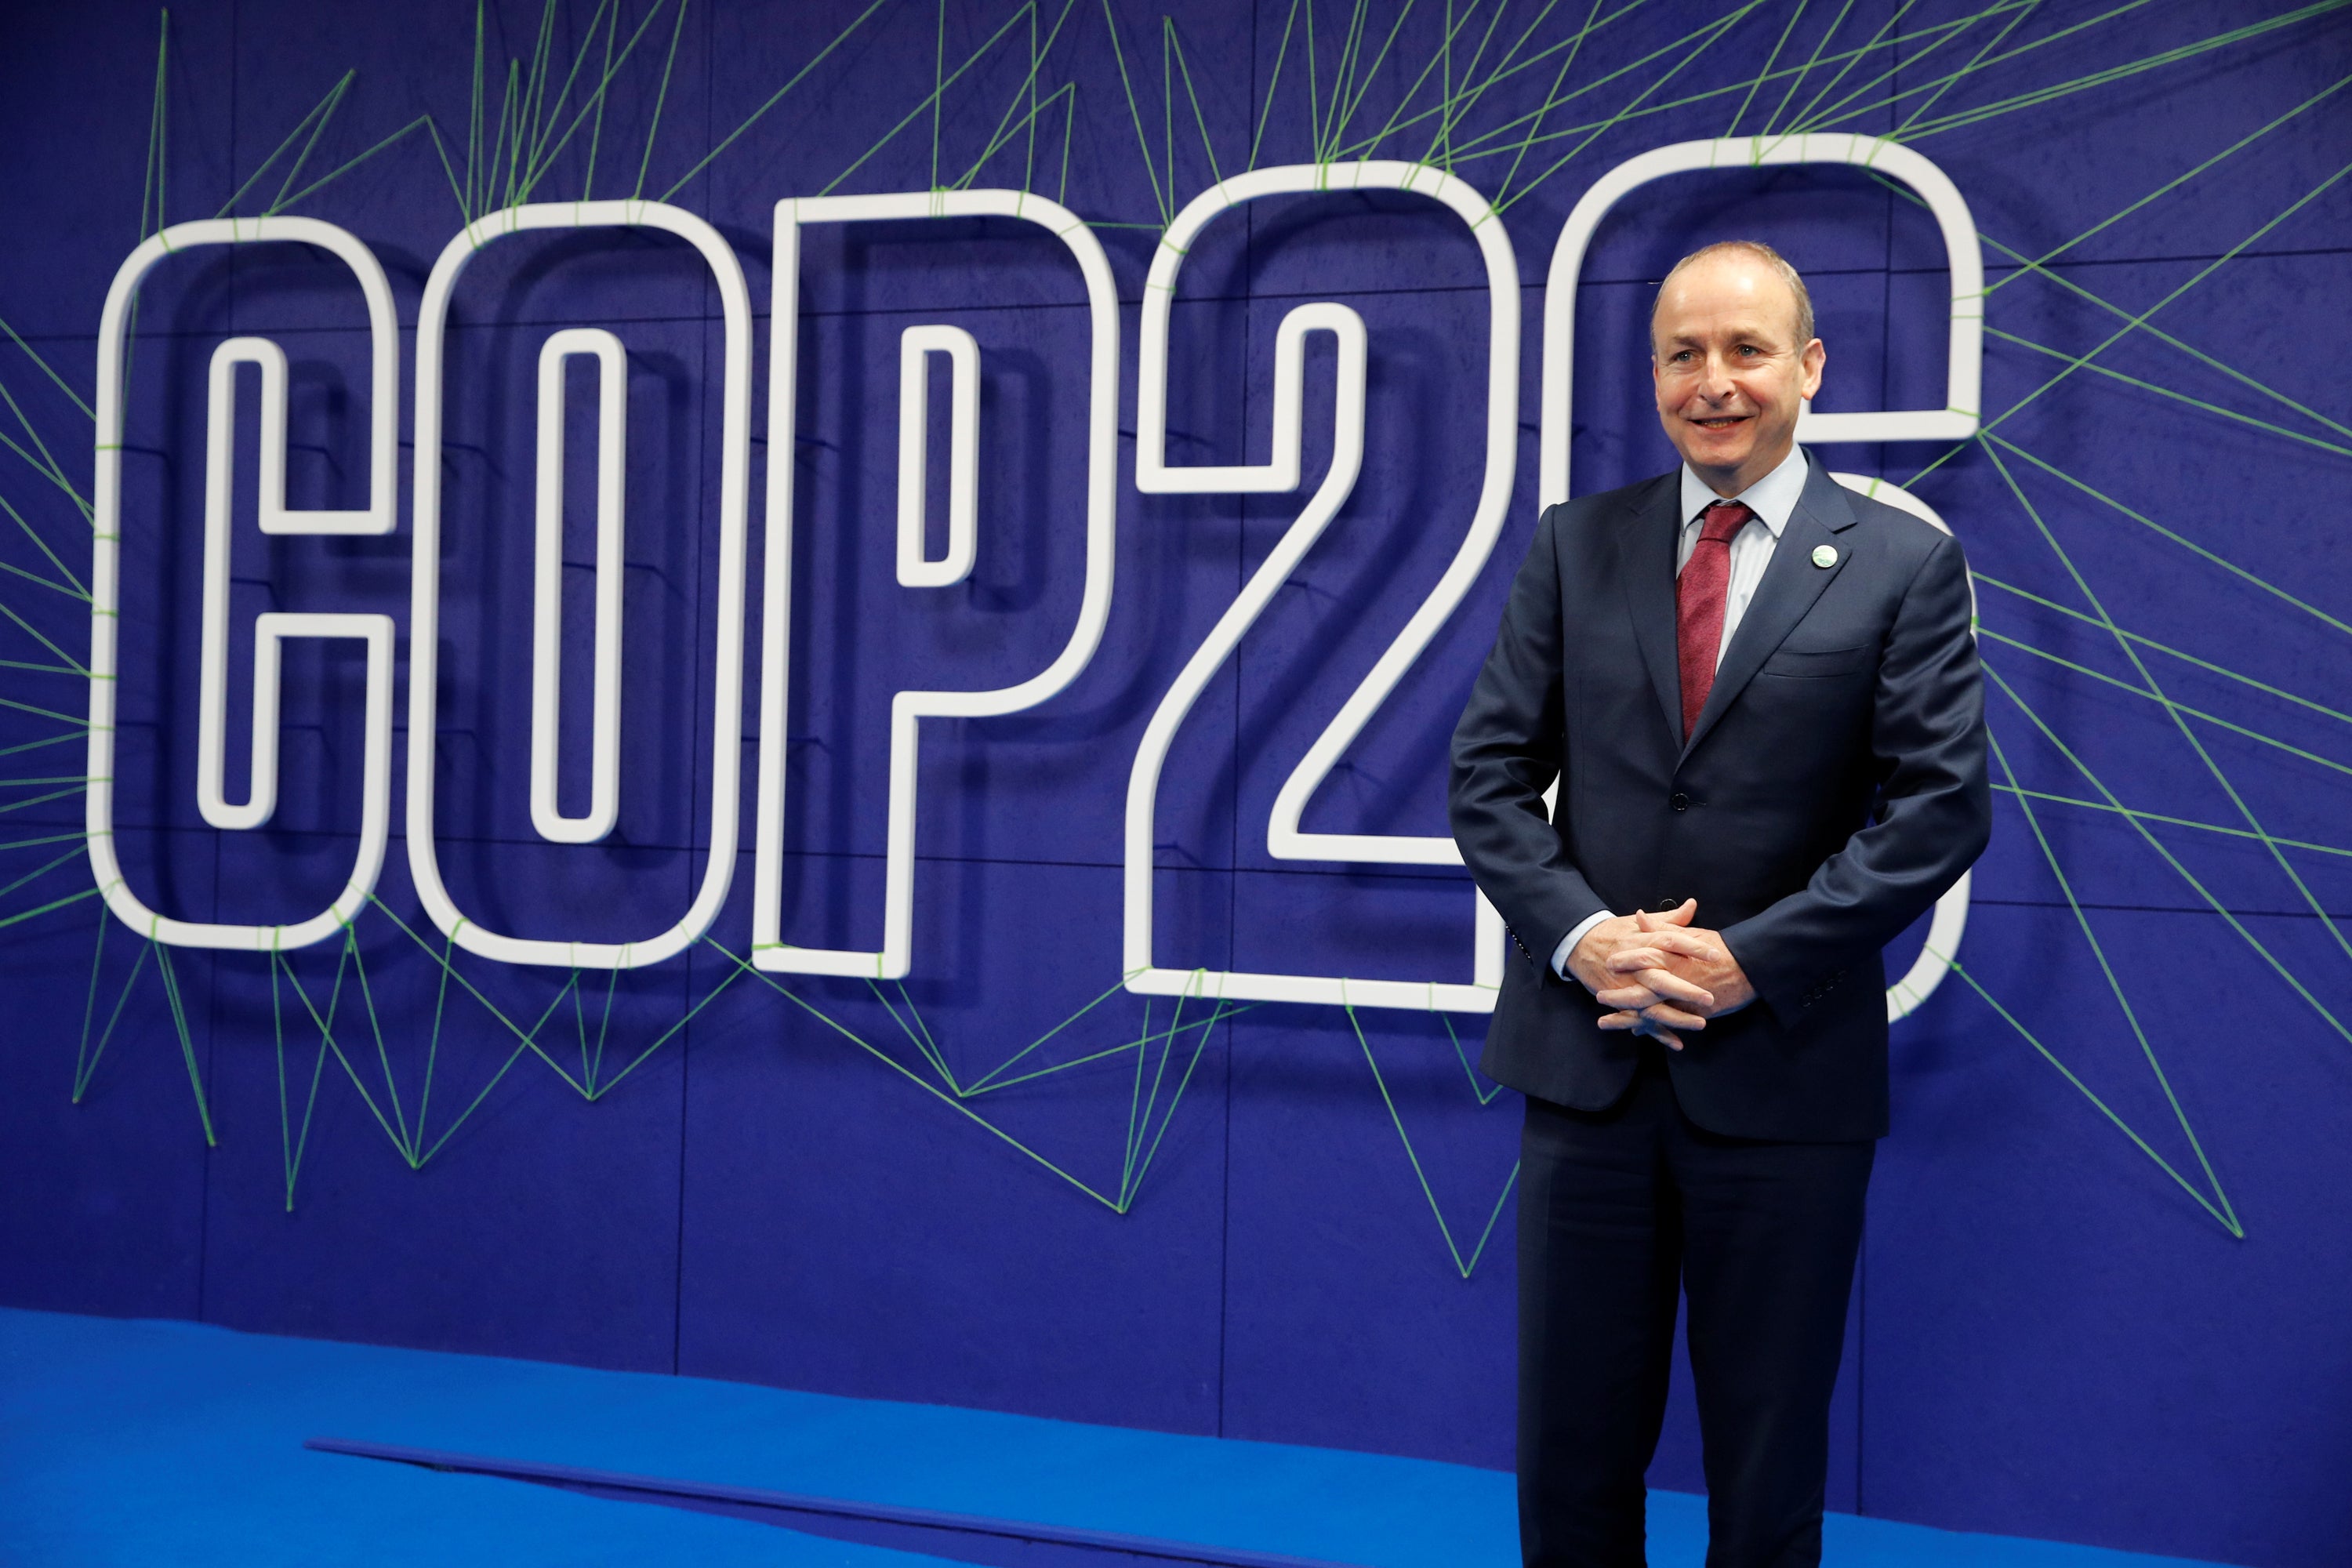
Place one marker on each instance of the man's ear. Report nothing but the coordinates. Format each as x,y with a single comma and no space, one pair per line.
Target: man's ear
1814,358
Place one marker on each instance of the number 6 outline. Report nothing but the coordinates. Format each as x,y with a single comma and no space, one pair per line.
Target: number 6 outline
1956,421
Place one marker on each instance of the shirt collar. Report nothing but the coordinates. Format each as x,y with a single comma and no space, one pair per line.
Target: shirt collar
1772,498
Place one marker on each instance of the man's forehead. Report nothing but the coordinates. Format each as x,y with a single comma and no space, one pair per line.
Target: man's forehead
1692,324
1723,293
1718,288
1749,318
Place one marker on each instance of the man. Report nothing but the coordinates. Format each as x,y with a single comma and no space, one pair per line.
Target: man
1758,695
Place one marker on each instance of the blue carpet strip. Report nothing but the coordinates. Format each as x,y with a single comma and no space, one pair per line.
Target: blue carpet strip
692,1493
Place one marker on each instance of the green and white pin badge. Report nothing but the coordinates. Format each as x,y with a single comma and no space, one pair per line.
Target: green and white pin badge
1824,556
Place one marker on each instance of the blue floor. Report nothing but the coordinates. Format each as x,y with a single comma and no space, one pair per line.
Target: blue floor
141,1443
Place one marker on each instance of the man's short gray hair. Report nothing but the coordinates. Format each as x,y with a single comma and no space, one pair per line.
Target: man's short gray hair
1761,252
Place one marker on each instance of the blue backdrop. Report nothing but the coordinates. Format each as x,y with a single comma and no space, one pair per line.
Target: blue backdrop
2102,1294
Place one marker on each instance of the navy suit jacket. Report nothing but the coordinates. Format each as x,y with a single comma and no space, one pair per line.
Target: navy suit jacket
1831,789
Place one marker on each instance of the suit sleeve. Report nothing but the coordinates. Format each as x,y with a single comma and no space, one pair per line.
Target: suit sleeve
1507,749
1935,803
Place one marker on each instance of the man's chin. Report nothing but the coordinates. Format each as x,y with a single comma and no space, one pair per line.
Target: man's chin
1720,456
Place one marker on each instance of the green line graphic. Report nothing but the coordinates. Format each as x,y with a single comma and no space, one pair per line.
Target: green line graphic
2114,985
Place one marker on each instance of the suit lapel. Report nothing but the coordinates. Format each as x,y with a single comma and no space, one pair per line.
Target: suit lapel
1646,571
1792,582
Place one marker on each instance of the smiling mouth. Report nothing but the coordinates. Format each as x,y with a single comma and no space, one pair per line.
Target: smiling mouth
1722,422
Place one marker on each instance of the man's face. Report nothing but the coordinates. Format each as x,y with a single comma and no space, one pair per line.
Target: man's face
1730,375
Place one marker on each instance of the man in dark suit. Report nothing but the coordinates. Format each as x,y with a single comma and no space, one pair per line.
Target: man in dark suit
1758,695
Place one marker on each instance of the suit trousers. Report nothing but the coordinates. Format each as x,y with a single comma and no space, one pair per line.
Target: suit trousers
1617,1208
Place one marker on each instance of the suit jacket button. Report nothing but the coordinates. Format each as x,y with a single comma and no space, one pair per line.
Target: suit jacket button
1681,802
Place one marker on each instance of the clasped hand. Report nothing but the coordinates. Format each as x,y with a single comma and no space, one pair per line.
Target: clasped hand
1661,973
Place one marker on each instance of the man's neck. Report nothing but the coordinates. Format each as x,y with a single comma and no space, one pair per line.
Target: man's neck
1773,497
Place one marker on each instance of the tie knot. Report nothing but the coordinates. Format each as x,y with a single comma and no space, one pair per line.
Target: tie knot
1723,520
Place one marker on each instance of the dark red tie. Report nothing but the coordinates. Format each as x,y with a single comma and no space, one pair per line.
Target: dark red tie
1699,594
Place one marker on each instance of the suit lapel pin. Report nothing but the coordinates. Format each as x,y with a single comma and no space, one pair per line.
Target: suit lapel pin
1824,556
